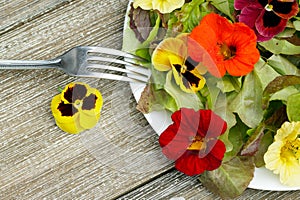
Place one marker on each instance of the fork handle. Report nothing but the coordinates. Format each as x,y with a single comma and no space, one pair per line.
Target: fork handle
29,64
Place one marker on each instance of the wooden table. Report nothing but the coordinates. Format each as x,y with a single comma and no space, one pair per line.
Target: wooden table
120,158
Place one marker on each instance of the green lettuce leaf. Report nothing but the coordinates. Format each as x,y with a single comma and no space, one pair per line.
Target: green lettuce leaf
293,107
265,142
236,136
231,178
182,99
297,25
190,15
277,84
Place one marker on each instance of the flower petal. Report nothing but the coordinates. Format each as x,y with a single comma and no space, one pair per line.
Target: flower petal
74,91
63,113
167,6
191,164
285,10
71,127
210,124
240,4
88,119
269,24
249,14
144,4
173,142
169,51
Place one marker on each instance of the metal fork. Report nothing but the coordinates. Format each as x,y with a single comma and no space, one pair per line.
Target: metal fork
80,62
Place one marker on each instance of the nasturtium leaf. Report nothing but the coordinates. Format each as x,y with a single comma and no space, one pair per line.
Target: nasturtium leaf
293,107
288,32
277,46
297,25
282,65
231,178
265,73
229,84
247,104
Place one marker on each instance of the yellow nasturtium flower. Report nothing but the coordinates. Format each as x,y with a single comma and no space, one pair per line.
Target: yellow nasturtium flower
172,54
283,155
77,108
163,6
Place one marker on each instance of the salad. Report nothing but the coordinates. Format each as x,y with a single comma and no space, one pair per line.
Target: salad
228,73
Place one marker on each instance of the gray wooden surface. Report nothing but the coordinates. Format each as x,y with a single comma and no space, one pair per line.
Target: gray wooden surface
120,158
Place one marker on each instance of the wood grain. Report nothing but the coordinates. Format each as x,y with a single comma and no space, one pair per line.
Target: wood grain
18,12
120,157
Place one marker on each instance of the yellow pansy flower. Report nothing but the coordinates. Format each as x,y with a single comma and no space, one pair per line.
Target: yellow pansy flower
172,54
163,6
283,155
77,108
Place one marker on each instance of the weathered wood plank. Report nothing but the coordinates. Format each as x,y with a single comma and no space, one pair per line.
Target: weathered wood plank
17,12
175,184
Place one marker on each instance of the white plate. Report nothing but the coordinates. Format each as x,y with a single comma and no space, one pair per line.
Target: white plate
263,179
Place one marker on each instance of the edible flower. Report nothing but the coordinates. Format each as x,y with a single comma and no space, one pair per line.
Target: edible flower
77,108
232,46
283,155
172,54
266,17
163,6
192,140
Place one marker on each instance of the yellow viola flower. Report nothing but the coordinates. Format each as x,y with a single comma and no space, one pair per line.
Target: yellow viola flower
77,108
163,6
283,155
172,54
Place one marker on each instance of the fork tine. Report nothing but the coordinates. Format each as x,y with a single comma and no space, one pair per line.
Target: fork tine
115,52
144,74
113,77
136,68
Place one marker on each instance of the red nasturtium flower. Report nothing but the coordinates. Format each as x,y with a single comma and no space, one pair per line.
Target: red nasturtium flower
231,45
192,140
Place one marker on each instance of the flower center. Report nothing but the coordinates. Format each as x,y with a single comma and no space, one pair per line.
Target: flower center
77,104
227,51
293,147
197,143
183,69
269,7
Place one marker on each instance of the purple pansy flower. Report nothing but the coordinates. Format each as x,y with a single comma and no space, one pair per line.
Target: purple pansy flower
266,17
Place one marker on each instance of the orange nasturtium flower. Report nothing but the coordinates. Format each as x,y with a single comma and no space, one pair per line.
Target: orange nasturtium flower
172,54
232,46
77,108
